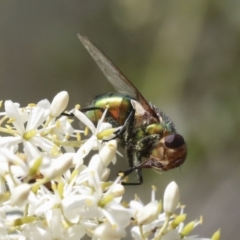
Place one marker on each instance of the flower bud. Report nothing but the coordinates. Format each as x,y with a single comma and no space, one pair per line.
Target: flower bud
171,197
118,190
96,164
61,165
108,152
59,103
106,174
20,194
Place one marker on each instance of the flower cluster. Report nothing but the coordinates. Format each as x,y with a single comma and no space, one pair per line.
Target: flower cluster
47,190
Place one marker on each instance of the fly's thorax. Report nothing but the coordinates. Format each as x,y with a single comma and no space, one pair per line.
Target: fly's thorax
119,107
164,119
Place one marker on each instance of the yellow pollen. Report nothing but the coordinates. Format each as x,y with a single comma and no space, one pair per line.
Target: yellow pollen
60,188
67,136
154,188
35,167
32,105
28,135
8,127
55,150
11,120
70,120
105,200
74,173
58,124
86,130
77,106
105,133
114,226
55,137
89,202
78,136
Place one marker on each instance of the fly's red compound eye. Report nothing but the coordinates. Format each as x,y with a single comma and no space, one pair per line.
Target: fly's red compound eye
174,141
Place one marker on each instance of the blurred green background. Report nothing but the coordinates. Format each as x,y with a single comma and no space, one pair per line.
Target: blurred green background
184,56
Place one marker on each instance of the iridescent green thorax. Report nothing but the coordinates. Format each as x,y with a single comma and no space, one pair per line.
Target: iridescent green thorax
119,108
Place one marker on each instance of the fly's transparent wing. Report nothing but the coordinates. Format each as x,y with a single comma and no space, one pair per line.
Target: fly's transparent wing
113,74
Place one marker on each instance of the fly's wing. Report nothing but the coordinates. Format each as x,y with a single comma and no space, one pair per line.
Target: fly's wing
114,75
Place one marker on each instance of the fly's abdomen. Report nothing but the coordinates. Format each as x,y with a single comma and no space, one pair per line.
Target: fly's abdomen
119,107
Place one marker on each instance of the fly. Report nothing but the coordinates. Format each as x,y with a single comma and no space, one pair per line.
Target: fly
147,134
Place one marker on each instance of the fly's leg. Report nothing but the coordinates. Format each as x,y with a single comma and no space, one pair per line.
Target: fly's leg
119,132
83,110
134,162
134,158
129,171
92,109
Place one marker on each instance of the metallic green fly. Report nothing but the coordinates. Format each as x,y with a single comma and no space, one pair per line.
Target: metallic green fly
147,134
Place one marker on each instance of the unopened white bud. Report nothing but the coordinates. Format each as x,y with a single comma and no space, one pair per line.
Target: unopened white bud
62,164
96,164
105,174
118,190
20,194
108,152
59,103
171,197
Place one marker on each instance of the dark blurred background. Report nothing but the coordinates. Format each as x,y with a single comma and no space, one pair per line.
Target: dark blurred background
184,56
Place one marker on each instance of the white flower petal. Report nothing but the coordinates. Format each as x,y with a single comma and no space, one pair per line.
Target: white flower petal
12,112
135,232
84,119
53,218
10,141
173,234
107,232
84,150
36,118
148,213
30,150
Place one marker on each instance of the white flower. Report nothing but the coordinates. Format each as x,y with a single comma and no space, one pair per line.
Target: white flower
93,143
54,229
148,217
60,197
30,135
